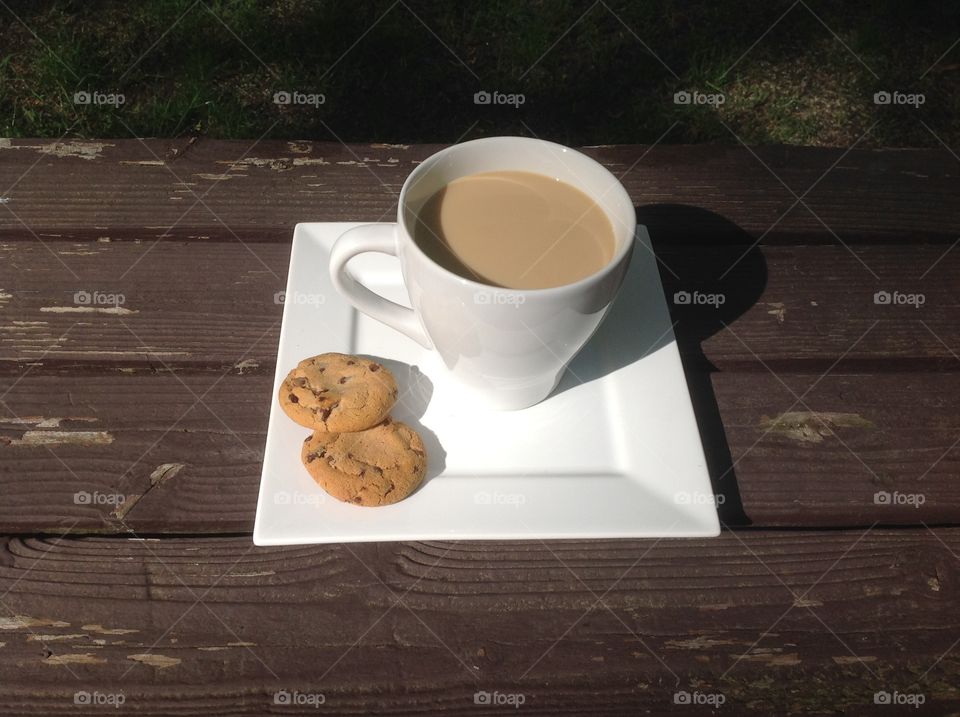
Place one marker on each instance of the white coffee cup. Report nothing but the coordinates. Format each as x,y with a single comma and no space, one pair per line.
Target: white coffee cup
506,348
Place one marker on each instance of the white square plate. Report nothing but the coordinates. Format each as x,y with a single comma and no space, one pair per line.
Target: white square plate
614,452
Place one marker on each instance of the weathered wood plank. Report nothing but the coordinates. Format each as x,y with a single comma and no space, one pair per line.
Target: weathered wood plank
82,189
775,622
211,305
73,447
782,623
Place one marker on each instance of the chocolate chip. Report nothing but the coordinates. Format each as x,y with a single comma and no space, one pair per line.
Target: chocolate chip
293,398
344,379
374,367
351,363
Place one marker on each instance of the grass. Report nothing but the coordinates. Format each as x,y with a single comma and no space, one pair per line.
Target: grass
591,72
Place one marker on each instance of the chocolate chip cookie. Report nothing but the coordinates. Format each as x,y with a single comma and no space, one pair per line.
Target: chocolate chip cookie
379,466
338,393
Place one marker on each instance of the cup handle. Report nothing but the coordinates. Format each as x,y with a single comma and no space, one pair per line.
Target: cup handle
380,238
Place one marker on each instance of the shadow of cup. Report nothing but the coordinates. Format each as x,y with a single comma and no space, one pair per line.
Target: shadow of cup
711,274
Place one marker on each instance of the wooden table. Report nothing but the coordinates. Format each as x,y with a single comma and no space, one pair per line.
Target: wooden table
830,420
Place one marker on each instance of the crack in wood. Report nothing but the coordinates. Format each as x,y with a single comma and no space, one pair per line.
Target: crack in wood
160,475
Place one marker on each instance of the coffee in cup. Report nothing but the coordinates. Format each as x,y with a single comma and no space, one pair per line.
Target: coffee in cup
516,230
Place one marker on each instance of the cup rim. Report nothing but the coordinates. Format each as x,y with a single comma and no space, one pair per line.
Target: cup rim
616,186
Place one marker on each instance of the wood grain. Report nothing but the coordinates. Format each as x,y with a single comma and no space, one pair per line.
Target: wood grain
775,622
221,189
212,305
823,413
73,447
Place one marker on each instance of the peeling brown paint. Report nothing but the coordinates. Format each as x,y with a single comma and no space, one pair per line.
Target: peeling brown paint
246,365
164,472
63,438
78,658
277,164
703,642
73,148
778,310
42,422
853,659
20,622
772,659
54,638
111,310
137,353
811,426
309,161
98,628
161,474
80,150
161,662
228,646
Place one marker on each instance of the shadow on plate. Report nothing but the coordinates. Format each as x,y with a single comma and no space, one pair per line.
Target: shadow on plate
416,389
697,254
